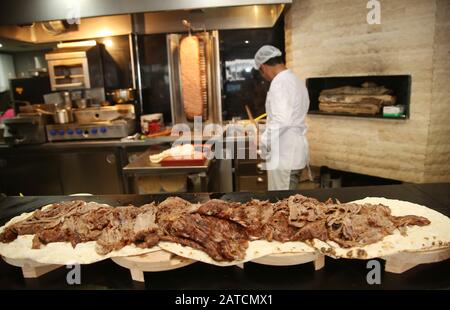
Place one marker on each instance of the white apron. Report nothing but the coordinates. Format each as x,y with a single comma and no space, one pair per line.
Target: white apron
284,143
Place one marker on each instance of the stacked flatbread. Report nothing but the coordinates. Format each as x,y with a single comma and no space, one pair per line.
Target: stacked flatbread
368,99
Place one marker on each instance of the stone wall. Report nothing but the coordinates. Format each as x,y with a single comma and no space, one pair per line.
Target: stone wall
437,161
333,38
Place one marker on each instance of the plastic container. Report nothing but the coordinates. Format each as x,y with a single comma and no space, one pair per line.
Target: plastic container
152,123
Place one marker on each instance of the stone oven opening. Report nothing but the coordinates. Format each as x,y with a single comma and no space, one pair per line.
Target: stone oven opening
386,96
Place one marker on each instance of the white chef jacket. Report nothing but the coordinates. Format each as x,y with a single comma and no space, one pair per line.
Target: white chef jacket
283,141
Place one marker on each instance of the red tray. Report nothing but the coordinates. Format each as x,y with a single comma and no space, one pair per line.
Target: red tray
183,161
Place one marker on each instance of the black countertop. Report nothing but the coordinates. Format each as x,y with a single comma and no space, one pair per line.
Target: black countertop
337,274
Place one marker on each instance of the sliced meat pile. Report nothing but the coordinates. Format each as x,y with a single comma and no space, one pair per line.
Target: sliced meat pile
44,223
78,221
299,218
129,225
221,239
222,229
348,224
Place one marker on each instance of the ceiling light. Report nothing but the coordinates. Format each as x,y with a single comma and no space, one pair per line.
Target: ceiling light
77,44
108,42
1,45
246,41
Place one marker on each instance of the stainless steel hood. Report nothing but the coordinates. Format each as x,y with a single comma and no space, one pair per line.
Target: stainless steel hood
216,18
28,11
242,17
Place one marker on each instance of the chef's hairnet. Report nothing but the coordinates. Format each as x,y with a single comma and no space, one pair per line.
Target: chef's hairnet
264,54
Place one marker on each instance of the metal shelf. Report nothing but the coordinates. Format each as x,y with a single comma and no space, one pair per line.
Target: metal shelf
378,116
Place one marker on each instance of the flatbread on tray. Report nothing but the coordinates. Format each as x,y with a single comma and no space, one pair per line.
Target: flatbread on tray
256,249
431,237
60,253
418,238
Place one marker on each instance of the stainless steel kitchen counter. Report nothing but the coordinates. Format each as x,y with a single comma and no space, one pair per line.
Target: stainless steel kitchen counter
103,143
69,164
85,144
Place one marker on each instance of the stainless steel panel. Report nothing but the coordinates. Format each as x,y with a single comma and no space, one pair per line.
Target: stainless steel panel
242,17
213,77
65,55
30,174
85,79
13,12
136,67
87,61
102,114
173,52
105,130
89,28
90,172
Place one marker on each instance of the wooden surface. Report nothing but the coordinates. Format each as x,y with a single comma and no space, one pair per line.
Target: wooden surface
401,262
291,259
31,269
151,262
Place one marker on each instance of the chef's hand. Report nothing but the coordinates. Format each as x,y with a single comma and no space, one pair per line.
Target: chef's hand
255,140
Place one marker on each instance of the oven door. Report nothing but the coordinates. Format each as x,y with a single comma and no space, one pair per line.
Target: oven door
69,74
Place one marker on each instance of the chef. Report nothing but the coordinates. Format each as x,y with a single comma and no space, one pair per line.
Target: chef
283,141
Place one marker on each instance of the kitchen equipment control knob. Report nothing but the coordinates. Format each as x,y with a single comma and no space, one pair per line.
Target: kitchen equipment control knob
61,132
70,131
103,129
53,132
111,159
94,131
78,131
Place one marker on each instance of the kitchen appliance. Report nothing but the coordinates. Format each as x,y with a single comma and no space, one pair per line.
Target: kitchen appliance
95,123
59,112
93,131
209,51
77,99
29,90
120,96
63,116
26,107
75,68
104,114
83,103
25,128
